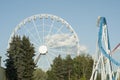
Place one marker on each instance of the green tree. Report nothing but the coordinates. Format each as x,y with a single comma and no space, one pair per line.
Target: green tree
25,63
58,68
10,68
68,65
83,78
20,53
89,66
39,75
51,75
78,68
83,66
10,62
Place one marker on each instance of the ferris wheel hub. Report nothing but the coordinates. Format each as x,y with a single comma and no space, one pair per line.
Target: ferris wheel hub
43,49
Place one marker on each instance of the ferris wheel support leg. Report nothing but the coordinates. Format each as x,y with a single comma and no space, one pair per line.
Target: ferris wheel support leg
36,60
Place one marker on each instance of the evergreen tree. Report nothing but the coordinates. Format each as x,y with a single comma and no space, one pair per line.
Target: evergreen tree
83,66
25,63
10,62
89,66
10,68
51,75
68,65
20,59
39,75
77,67
58,68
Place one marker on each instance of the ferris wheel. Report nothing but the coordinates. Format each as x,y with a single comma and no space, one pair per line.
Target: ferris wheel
50,35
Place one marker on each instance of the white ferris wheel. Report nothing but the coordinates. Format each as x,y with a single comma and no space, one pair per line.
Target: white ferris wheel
50,35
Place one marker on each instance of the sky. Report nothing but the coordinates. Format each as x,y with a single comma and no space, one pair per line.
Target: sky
80,14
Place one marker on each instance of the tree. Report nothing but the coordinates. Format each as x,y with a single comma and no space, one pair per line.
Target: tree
89,66
10,68
39,75
10,62
68,65
57,69
25,63
51,75
83,66
83,78
78,68
20,54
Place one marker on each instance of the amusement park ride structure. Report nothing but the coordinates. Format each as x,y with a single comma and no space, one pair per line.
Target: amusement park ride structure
104,62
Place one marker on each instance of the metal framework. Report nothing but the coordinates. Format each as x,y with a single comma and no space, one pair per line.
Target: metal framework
104,62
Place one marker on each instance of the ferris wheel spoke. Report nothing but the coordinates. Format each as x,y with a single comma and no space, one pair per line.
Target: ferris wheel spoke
32,36
49,34
43,31
35,44
49,59
56,54
4,52
62,51
37,59
53,54
59,29
56,51
54,47
35,26
41,64
51,27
